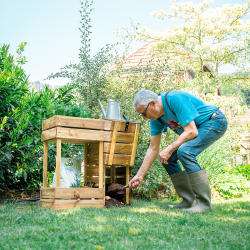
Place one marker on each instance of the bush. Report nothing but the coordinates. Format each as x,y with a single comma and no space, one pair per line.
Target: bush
239,169
21,113
231,185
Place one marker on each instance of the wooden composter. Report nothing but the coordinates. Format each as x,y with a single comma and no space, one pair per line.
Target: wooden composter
110,148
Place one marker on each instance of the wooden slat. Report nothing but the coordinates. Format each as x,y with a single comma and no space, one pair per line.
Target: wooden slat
94,148
117,160
46,203
58,162
49,123
120,148
122,125
124,137
94,171
83,134
137,130
49,134
72,193
112,148
80,136
94,179
45,164
76,122
67,204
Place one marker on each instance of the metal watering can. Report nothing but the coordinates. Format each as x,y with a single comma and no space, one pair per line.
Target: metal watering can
113,109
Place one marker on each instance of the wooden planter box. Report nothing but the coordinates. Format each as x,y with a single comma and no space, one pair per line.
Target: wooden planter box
109,157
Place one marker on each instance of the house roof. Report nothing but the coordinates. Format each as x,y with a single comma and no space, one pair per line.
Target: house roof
144,55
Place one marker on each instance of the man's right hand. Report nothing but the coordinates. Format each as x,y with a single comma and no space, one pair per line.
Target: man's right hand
135,182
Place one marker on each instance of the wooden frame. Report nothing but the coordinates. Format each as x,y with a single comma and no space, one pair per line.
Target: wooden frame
106,146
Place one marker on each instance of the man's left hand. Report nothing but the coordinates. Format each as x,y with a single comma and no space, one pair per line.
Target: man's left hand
165,155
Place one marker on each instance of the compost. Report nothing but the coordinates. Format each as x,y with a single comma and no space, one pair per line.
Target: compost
116,194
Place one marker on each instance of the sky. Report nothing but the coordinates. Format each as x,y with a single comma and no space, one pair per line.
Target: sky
51,29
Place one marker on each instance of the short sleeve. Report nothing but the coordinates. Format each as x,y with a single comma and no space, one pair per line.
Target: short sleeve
157,127
183,108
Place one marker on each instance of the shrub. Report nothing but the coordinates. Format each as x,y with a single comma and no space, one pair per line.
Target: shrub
21,115
231,185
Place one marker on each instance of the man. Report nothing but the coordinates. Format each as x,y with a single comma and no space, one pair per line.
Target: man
199,124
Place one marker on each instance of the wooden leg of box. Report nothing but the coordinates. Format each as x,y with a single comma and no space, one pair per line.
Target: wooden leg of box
45,164
104,184
127,181
113,174
58,162
85,162
101,164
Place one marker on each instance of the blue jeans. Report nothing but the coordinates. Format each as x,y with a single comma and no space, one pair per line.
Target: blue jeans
208,132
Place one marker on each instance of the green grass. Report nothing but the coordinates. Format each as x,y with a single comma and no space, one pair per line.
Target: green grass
145,225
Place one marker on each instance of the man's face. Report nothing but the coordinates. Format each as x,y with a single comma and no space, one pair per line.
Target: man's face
149,112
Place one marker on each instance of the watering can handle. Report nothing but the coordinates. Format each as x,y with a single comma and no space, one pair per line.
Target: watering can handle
127,122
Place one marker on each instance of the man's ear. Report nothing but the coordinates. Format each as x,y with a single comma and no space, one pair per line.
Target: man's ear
153,103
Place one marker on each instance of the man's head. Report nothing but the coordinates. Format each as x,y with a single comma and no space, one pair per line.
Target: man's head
148,104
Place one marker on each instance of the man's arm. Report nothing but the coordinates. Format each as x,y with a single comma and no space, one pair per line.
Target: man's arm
150,157
190,132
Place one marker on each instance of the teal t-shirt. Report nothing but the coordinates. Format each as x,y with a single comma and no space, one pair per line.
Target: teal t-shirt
187,108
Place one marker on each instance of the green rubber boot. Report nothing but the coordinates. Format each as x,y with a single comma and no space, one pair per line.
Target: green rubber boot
201,188
183,189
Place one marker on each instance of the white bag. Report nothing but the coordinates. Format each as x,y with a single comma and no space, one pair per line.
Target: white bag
70,175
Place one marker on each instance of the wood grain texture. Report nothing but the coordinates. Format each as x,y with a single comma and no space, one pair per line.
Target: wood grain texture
113,142
118,159
101,181
45,164
76,122
67,204
86,148
72,193
135,142
120,148
127,181
58,162
49,134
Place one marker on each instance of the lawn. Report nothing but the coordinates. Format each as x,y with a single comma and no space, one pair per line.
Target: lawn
145,225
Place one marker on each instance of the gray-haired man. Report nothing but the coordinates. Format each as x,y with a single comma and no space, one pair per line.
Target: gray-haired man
199,124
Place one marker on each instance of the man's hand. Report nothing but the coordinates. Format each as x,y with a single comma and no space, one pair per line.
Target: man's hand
165,155
135,182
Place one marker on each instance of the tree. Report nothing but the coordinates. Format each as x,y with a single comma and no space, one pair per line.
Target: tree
212,37
89,76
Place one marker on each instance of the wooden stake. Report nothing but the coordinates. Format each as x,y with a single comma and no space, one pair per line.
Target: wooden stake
137,130
58,161
127,181
100,164
45,164
112,149
85,162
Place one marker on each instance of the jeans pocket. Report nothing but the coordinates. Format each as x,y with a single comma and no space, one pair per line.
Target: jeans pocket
220,126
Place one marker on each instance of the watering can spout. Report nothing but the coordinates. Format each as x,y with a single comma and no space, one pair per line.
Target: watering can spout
103,111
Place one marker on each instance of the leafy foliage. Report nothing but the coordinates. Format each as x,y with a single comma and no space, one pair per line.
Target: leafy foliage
89,76
21,114
231,185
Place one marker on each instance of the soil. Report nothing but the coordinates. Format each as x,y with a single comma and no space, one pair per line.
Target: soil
19,194
118,196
